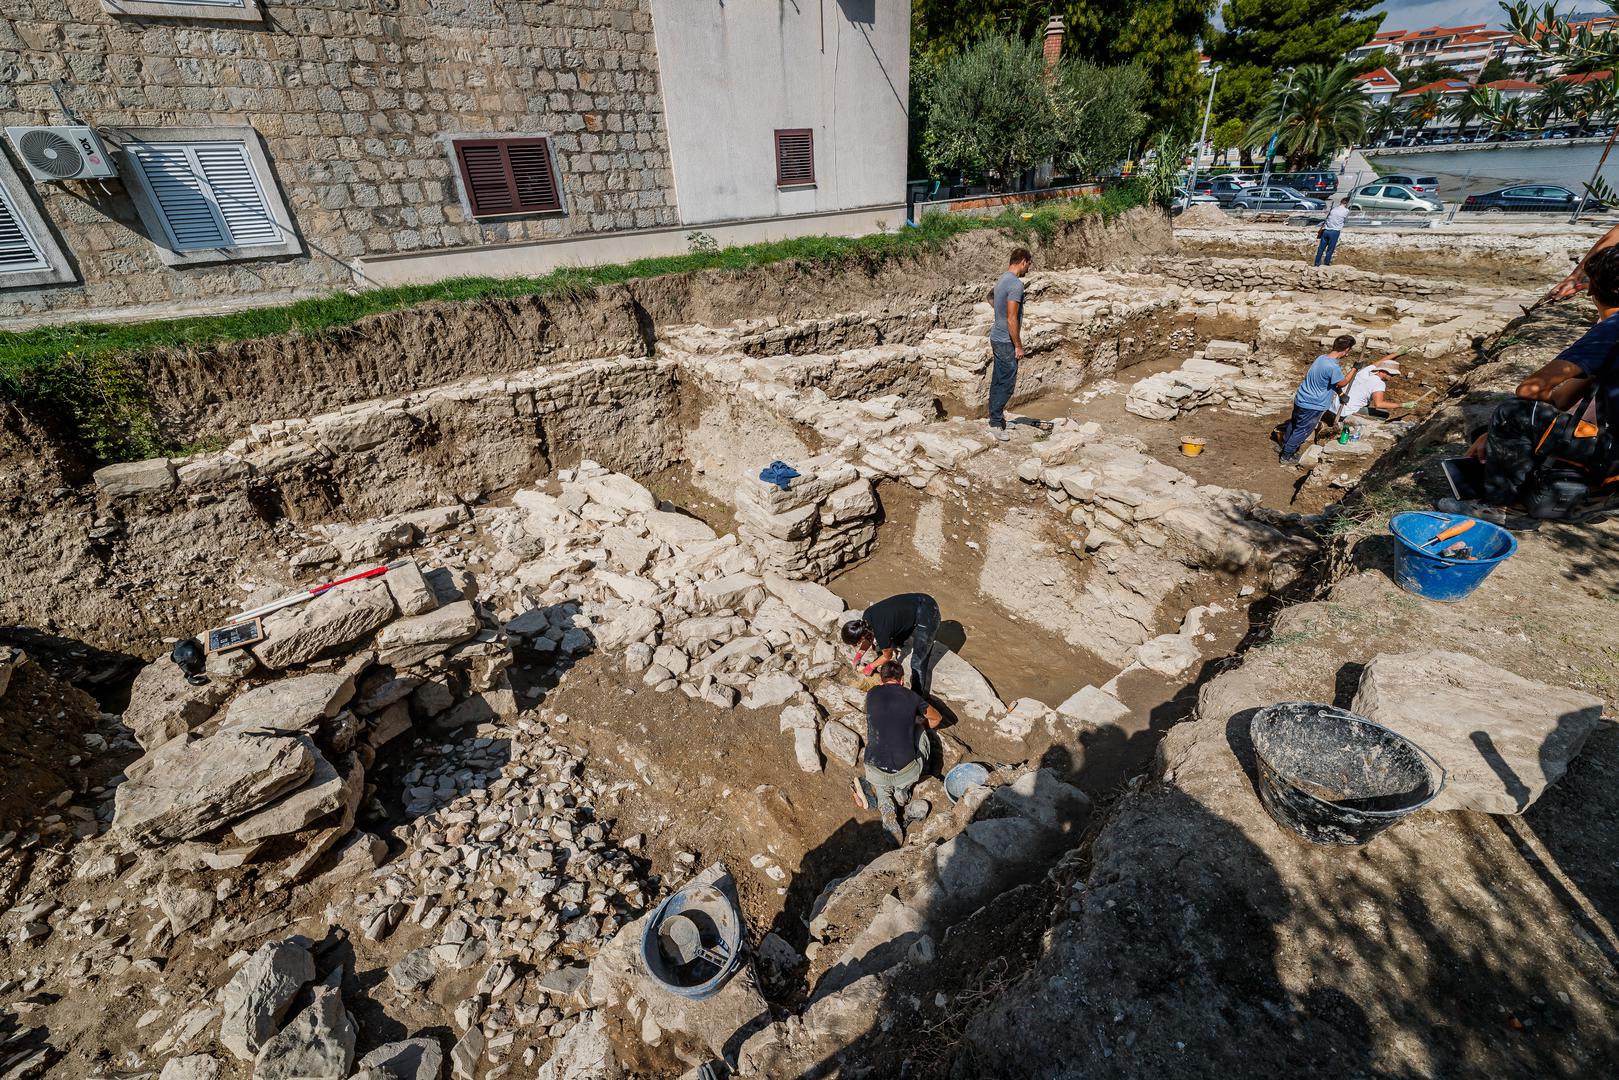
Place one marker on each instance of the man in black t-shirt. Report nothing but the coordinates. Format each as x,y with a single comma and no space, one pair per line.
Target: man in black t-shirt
887,624
896,743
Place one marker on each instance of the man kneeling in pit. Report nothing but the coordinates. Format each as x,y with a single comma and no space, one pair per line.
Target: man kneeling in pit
897,725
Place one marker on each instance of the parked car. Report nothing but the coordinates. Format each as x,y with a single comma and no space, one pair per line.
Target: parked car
1184,199
1224,188
1422,185
1310,183
1530,198
1385,196
1275,198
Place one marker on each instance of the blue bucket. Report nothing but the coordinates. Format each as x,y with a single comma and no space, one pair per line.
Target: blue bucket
1422,570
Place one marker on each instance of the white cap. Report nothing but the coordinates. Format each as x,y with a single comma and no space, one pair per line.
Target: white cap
1390,366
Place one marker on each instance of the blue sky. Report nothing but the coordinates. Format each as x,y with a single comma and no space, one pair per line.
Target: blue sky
1416,14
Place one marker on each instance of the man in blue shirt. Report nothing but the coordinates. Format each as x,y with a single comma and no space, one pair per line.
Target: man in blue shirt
1315,396
1561,417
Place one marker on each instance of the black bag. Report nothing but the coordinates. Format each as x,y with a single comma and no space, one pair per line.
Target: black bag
1565,455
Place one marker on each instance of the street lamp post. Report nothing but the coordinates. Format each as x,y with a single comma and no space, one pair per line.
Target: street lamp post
1191,184
1281,118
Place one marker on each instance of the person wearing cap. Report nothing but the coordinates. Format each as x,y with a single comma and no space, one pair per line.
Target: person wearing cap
1368,390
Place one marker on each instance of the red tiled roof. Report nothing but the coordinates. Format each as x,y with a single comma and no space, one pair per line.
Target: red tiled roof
1480,38
1441,31
1585,77
1381,78
1513,84
1443,86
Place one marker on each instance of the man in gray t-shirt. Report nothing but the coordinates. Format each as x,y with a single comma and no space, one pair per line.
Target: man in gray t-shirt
1006,339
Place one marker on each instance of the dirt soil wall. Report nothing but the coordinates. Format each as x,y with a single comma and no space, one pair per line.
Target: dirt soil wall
216,393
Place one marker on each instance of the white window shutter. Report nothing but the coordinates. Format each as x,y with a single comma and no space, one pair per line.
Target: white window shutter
18,249
181,200
208,195
237,194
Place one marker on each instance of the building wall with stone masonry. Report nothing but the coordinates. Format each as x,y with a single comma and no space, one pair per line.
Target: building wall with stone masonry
353,100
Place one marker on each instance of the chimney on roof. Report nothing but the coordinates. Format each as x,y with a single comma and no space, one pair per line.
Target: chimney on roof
1054,35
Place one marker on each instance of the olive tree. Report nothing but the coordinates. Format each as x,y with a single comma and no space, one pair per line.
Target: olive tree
990,111
1099,113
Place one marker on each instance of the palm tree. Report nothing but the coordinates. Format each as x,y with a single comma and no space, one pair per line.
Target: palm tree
1602,99
1425,108
1324,110
1383,119
1474,105
1556,99
1507,115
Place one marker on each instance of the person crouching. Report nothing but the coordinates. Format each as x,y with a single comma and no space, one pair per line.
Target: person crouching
897,723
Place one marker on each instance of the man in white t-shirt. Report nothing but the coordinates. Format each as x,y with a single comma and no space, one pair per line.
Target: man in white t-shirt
1366,391
1327,235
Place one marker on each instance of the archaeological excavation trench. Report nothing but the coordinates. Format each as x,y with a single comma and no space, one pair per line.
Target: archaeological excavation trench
605,657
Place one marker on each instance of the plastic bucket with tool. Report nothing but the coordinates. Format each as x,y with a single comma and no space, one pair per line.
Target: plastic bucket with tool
1337,778
1446,556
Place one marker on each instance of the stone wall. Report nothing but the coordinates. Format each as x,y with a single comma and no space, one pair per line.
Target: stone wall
352,99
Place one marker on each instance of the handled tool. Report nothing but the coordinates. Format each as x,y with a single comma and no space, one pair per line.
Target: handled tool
1450,533
308,594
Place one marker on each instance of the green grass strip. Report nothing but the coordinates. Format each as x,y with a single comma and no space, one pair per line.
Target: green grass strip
86,372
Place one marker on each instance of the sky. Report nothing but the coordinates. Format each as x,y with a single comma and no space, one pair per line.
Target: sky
1416,14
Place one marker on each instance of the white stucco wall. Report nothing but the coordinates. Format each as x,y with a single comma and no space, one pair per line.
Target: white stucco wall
733,72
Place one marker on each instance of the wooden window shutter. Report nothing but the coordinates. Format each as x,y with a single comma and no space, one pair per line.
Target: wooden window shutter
18,250
508,176
795,157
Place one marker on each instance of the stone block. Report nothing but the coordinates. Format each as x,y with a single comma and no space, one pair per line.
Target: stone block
1502,738
338,617
128,479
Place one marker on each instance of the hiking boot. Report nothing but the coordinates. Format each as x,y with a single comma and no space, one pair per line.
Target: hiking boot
1288,459
999,434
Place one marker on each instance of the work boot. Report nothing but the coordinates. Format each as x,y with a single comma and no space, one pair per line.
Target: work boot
891,827
999,434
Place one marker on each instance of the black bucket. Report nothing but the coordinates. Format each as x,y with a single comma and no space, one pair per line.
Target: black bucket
1337,778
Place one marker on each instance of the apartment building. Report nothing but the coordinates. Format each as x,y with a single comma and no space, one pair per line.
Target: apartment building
173,155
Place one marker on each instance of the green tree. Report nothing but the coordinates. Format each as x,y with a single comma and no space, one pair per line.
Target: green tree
1556,100
1228,136
1424,108
990,111
1602,99
1262,37
1382,119
923,69
1324,112
1099,115
1470,107
1547,31
1506,114
1160,36
1494,71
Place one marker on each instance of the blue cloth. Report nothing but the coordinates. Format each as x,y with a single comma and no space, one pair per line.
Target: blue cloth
1300,426
1002,381
1325,248
1595,355
779,473
1320,382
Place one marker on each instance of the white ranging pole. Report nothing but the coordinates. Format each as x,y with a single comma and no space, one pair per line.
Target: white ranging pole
1191,183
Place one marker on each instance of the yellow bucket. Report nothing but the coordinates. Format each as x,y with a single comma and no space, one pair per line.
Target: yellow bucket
1192,447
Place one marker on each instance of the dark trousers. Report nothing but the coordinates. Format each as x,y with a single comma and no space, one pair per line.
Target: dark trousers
1299,427
922,637
1002,381
1518,438
1326,246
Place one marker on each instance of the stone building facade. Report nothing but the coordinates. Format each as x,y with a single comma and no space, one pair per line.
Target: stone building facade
353,105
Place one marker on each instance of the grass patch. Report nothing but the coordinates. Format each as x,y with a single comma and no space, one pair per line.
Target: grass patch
1371,514
87,373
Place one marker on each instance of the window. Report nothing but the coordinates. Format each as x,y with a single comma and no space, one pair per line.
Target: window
206,195
206,10
795,157
29,254
508,176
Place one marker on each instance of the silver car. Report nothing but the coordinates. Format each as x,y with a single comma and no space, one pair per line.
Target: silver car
1383,196
1275,198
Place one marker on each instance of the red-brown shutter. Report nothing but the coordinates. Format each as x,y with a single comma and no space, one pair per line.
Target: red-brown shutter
795,157
508,176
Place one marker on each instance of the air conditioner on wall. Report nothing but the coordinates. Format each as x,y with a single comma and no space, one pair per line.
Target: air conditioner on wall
62,153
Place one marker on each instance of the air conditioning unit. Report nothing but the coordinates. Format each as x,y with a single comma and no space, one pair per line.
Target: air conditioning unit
62,153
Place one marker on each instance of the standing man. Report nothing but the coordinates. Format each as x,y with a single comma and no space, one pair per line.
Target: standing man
1006,339
1315,396
897,723
912,617
1327,235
